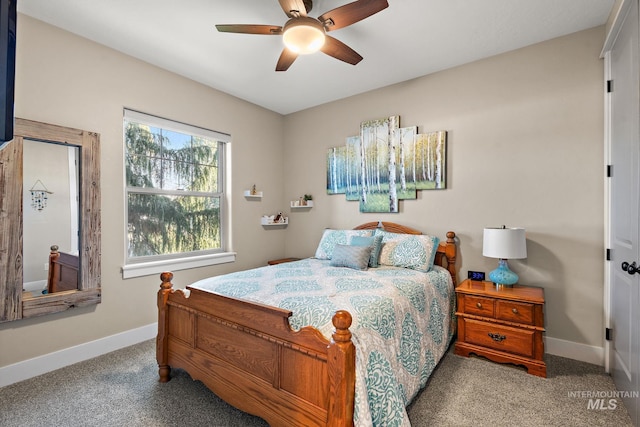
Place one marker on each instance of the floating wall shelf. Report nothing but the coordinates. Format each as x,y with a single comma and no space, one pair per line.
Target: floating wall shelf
298,206
269,221
248,195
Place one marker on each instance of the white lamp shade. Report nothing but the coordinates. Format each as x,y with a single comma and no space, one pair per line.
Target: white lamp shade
504,243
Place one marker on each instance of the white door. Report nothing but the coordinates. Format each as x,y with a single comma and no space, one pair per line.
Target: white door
625,196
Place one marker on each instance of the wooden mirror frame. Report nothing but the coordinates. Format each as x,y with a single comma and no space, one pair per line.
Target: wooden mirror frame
14,304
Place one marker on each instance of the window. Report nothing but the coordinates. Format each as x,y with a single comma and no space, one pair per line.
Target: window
174,195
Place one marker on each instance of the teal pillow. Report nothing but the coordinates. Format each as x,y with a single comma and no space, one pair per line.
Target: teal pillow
331,238
356,257
376,244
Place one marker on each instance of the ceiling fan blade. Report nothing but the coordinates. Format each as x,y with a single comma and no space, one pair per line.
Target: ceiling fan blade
293,8
250,29
286,59
351,13
337,49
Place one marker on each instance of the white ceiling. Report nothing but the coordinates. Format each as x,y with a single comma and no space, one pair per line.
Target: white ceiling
410,38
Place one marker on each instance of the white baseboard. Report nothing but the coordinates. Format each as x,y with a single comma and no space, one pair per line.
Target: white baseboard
574,350
35,286
59,359
50,362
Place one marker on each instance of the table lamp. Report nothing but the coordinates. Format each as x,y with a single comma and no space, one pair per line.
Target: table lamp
504,243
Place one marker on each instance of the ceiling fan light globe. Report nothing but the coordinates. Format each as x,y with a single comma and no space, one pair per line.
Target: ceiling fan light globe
303,35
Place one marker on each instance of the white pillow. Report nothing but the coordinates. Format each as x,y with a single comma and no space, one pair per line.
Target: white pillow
414,251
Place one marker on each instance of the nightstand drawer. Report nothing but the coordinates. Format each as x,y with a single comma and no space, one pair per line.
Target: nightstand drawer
479,306
511,311
499,337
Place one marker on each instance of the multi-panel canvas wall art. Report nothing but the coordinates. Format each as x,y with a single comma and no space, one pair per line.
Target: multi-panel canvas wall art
387,163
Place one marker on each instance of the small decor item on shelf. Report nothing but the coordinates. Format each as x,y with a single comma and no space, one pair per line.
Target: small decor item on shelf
278,219
253,193
303,201
39,196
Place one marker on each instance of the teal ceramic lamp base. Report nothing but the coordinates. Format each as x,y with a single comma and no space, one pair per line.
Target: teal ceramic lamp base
502,275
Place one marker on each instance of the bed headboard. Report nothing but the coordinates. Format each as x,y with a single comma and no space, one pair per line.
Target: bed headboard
445,255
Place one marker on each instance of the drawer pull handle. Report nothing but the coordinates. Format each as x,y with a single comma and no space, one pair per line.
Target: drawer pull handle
478,305
514,310
497,337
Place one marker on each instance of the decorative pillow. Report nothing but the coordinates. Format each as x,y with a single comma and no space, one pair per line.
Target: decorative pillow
387,235
376,244
356,257
409,251
331,238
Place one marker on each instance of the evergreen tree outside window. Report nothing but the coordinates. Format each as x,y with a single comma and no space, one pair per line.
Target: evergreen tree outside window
174,189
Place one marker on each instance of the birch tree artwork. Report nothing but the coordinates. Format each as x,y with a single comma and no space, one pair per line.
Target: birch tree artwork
386,164
353,168
405,163
430,159
336,174
378,165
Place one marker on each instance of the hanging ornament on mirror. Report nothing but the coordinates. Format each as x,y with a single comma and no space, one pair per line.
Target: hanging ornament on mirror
39,196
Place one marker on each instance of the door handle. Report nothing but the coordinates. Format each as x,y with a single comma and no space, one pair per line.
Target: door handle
630,268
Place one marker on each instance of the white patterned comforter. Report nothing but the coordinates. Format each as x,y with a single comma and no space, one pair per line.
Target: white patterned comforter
402,322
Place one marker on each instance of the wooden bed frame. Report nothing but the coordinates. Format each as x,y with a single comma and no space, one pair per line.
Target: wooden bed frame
63,271
248,355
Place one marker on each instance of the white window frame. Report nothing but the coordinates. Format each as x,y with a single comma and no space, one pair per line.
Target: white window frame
144,266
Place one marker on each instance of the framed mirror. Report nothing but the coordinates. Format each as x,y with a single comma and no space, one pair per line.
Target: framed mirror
74,225
50,217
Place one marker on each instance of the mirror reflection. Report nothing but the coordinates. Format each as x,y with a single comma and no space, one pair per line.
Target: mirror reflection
50,217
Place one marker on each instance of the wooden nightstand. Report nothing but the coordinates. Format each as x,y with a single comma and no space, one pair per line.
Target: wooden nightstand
502,323
282,260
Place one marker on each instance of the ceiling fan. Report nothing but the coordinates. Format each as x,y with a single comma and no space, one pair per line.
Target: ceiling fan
302,34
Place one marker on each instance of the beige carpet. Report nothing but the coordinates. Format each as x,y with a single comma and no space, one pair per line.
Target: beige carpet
122,389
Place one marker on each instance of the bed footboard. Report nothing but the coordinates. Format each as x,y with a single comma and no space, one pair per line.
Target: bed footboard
63,271
248,355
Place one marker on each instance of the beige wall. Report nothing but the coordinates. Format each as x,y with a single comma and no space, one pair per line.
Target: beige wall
70,81
538,109
525,149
